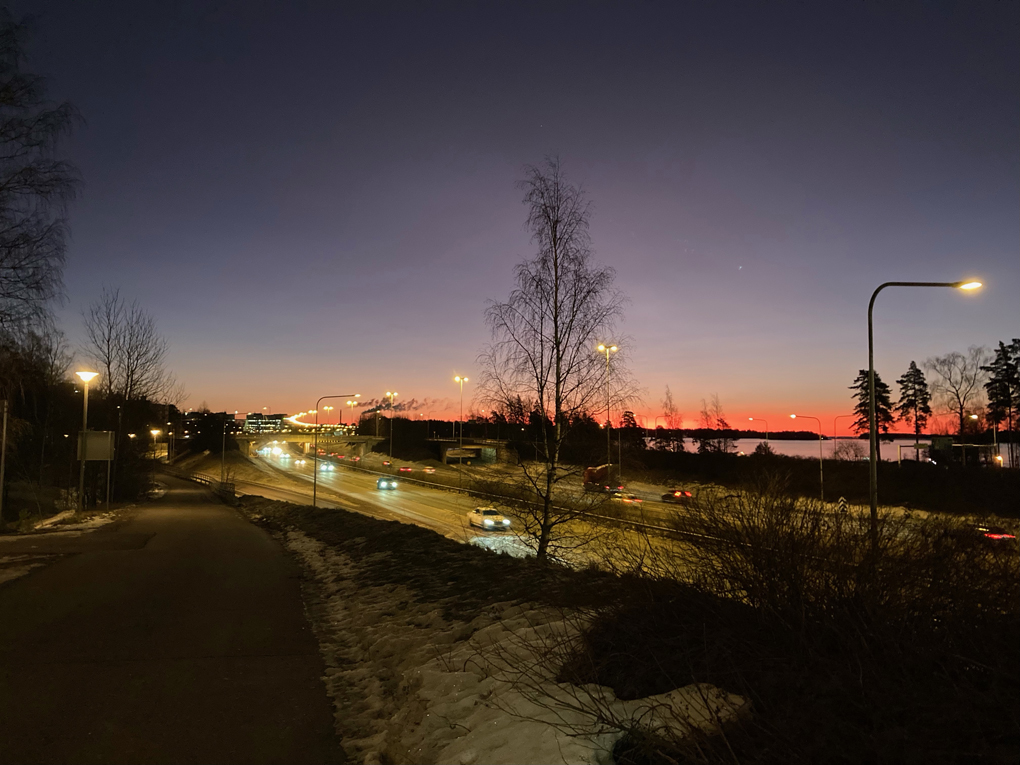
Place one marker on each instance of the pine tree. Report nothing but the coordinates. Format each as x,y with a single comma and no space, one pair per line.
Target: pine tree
913,406
883,403
1003,388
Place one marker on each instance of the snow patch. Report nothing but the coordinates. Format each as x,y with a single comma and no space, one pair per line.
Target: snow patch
410,686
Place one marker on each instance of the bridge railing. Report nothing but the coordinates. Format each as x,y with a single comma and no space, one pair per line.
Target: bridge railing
224,489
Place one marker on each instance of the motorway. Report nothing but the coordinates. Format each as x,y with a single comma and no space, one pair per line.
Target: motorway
445,512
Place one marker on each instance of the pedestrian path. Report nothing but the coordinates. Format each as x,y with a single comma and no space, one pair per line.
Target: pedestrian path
176,636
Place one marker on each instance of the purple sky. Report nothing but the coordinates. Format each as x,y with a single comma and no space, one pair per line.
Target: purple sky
319,198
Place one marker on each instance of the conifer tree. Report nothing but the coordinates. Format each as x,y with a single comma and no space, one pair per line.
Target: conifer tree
1003,388
883,403
914,404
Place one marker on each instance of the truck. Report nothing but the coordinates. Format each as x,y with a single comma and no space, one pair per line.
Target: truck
602,478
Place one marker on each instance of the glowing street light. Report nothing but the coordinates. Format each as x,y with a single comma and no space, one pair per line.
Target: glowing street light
393,420
872,419
821,470
351,403
461,380
155,434
608,349
328,409
85,377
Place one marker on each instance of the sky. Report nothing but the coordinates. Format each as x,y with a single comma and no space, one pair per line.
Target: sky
319,198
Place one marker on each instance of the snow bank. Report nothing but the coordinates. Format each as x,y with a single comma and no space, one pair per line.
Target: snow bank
410,686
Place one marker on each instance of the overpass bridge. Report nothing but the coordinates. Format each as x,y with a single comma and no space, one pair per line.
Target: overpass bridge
352,445
449,449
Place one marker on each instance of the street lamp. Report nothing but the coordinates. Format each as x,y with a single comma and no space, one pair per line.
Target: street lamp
872,420
328,409
85,377
461,380
155,434
821,472
391,396
758,419
351,402
315,441
608,349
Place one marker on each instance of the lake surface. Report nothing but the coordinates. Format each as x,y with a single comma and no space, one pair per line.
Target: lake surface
808,448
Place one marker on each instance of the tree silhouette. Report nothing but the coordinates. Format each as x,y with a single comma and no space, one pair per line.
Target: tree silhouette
35,185
1003,388
883,403
913,406
544,337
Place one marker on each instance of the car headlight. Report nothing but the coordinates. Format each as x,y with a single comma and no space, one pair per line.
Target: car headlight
487,521
506,522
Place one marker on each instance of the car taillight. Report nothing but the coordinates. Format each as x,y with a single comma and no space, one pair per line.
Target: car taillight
1000,536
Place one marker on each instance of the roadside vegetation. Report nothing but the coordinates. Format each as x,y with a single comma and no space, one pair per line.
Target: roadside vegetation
907,656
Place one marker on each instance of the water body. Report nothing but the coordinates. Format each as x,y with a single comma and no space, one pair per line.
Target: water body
808,448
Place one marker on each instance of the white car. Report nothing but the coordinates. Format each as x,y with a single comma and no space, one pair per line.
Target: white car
488,518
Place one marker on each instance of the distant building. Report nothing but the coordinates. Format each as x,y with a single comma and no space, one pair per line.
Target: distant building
263,423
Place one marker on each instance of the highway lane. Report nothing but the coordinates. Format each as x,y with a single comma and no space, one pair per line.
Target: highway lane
350,489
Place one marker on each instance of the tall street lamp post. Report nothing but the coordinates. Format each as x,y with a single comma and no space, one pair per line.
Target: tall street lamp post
758,419
328,410
836,419
351,403
608,349
821,470
392,395
461,380
872,420
315,446
155,435
85,377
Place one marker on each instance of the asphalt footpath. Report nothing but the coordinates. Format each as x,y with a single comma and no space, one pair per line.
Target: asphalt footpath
175,636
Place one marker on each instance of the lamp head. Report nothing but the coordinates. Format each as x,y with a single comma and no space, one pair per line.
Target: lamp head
155,432
969,285
85,377
793,417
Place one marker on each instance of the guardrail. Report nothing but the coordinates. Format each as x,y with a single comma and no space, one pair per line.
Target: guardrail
223,488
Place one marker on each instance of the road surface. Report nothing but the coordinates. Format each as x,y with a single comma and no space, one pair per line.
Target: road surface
176,636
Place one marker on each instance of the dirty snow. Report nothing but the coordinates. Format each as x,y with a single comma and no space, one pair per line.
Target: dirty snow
14,566
410,686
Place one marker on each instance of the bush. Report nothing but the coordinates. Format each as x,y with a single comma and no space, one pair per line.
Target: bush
904,654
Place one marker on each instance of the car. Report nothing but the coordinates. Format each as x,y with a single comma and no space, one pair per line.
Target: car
355,459
387,463
488,518
429,470
326,467
677,497
627,499
405,469
385,482
299,462
981,533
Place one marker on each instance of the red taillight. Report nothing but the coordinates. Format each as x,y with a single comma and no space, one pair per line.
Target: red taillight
1000,536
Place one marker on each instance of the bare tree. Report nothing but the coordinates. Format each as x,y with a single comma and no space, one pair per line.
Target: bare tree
714,418
958,380
35,186
123,341
544,337
104,320
674,440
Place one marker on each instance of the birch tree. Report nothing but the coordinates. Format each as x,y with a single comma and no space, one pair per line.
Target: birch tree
544,338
